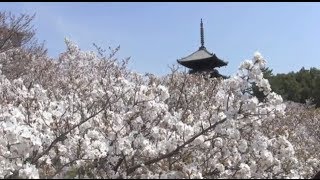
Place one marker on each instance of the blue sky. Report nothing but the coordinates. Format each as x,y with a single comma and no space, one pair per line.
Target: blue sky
155,35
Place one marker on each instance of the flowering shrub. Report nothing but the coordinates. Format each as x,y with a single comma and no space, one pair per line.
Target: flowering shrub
89,117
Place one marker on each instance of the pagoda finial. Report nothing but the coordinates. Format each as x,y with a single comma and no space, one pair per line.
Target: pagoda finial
202,35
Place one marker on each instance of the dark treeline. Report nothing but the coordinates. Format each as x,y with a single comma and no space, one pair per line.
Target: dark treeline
302,86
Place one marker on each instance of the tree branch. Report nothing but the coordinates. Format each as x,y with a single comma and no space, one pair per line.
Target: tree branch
63,136
132,169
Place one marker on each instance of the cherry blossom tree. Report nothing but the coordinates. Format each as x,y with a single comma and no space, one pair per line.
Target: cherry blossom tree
90,117
17,32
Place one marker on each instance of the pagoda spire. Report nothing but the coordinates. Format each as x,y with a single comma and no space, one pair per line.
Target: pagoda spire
201,35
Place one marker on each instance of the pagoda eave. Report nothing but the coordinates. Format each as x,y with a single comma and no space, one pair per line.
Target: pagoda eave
208,63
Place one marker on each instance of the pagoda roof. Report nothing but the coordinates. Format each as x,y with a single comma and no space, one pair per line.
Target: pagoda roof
202,58
198,55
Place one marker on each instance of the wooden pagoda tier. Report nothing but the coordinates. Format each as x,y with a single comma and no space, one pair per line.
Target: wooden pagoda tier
202,59
212,73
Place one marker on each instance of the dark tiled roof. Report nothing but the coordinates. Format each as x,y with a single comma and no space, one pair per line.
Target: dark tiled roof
202,56
198,55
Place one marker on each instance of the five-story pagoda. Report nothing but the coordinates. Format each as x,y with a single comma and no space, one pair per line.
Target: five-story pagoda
202,61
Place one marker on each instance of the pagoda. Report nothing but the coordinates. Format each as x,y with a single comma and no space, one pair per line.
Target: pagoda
202,61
